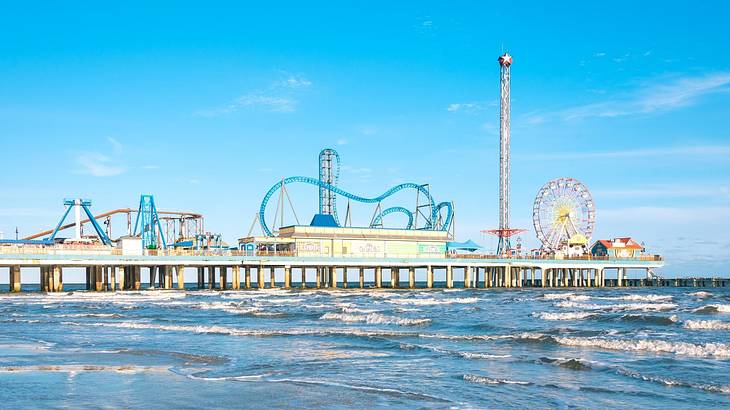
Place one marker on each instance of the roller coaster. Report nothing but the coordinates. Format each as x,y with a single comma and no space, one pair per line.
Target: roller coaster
327,183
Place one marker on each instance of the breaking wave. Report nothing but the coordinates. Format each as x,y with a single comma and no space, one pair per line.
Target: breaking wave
706,325
488,380
375,318
713,309
563,316
646,307
431,301
709,350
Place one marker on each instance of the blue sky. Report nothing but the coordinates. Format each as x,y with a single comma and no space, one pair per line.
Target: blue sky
207,105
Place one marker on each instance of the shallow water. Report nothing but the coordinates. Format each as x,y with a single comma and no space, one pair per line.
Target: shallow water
650,347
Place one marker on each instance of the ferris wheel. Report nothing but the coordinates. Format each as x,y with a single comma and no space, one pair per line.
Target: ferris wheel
564,215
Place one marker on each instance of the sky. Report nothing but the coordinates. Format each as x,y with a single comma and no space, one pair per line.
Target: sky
206,105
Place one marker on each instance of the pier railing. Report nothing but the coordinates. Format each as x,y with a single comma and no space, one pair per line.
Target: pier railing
99,250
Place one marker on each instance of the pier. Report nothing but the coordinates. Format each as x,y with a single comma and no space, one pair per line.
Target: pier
105,271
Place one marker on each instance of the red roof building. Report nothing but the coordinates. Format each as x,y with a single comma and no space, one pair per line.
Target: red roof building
617,248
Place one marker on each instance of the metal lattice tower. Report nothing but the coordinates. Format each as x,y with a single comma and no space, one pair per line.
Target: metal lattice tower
505,61
329,164
148,225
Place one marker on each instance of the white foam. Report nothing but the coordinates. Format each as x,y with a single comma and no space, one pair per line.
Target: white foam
488,380
701,294
639,298
711,350
472,355
706,325
375,318
646,307
563,316
215,329
565,296
432,301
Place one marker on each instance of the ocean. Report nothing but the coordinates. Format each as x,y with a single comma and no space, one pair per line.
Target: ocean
443,348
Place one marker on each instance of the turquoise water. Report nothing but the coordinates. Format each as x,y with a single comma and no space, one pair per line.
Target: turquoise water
596,348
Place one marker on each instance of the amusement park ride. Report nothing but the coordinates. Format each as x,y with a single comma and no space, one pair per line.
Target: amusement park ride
436,216
563,213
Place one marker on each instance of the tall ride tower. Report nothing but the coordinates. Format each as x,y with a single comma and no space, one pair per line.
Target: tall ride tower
504,232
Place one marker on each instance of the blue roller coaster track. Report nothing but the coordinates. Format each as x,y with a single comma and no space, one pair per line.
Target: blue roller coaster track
431,224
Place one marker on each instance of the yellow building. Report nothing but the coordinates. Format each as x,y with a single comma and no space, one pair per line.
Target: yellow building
319,241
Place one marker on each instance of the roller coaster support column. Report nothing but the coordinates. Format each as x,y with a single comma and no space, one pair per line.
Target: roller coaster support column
318,277
287,277
467,276
304,277
449,277
201,277
411,277
378,277
344,277
247,277
362,278
272,277
429,277
394,277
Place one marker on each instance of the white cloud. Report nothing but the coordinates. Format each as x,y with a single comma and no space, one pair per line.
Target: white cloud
279,97
341,141
471,107
654,97
294,81
98,165
116,145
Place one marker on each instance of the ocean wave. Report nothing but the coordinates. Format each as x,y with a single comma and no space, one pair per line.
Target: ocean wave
720,308
708,350
701,294
665,381
488,380
706,325
562,296
646,307
563,316
77,368
651,319
432,301
572,364
639,298
465,355
243,332
375,318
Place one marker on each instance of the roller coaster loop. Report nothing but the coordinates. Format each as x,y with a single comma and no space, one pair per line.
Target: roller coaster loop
435,209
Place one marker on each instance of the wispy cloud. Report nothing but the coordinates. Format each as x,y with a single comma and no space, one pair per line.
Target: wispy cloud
98,165
691,150
342,141
652,97
294,81
117,146
471,107
278,97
